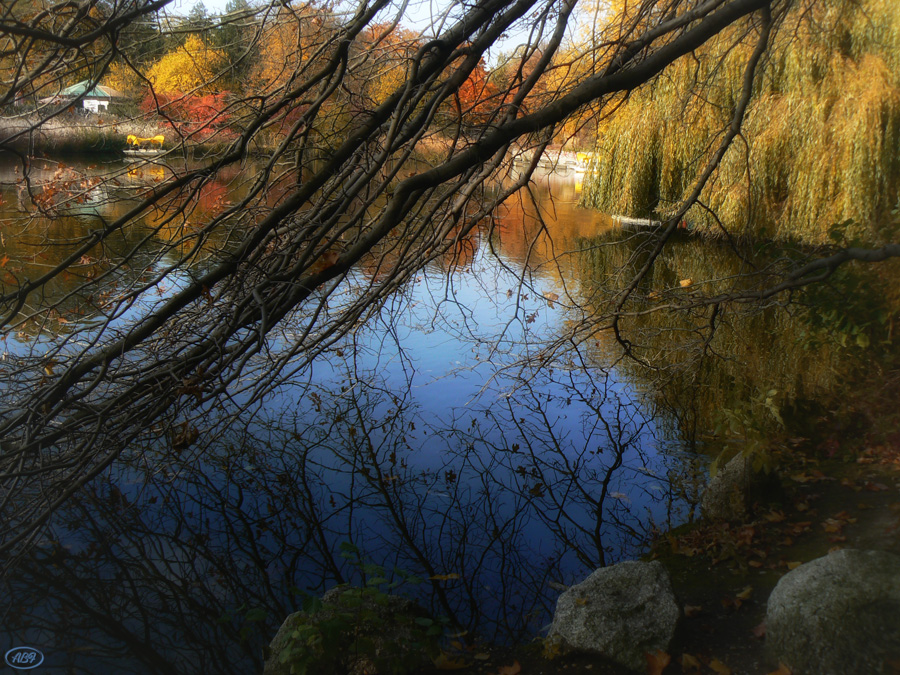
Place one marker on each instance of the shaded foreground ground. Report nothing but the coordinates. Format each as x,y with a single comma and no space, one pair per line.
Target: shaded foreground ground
841,490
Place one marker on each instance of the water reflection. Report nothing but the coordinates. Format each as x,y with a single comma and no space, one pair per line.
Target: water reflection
187,561
478,431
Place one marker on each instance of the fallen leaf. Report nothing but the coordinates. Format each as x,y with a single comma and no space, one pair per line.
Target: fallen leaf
690,663
684,283
690,611
514,669
832,526
745,594
793,565
782,670
445,661
482,657
719,667
657,662
759,631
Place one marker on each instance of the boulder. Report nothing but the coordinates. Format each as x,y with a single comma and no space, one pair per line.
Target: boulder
731,493
837,615
622,612
355,631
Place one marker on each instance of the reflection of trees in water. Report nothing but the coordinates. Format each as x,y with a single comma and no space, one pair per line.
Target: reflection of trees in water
55,219
708,358
164,561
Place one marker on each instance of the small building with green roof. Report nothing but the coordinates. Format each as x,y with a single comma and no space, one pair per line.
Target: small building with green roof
93,98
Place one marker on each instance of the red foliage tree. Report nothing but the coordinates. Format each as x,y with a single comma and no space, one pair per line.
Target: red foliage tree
197,117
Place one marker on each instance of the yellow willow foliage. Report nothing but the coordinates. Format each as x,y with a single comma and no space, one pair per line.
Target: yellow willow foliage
820,139
190,67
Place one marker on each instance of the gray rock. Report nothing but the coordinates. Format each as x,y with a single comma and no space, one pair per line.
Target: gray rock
731,493
363,632
837,615
622,612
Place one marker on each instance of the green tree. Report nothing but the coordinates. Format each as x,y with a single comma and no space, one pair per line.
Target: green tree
236,37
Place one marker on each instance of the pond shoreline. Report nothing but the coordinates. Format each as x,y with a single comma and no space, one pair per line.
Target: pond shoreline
838,491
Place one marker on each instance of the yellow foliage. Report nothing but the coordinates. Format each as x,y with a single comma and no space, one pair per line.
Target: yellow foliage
189,68
288,44
384,59
819,138
123,78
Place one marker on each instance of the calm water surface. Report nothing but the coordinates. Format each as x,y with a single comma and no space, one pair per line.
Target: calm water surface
426,443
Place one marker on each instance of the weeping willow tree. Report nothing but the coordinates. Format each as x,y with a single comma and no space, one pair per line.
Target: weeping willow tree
818,148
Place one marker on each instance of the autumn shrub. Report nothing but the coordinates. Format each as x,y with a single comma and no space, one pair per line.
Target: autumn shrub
199,119
192,67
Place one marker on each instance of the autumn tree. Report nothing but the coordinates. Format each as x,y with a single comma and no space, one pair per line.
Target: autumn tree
382,59
192,67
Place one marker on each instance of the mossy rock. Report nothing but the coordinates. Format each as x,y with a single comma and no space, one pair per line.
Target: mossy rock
354,631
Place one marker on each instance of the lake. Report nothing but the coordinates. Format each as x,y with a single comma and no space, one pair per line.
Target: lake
479,435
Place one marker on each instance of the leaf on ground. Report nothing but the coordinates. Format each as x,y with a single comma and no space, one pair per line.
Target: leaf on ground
514,669
793,565
719,667
657,662
481,656
782,670
690,663
444,661
746,593
759,631
832,526
690,611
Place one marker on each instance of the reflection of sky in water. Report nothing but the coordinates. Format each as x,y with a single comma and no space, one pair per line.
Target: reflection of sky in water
431,450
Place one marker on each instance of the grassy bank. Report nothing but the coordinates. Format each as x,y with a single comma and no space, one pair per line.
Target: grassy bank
81,135
72,134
